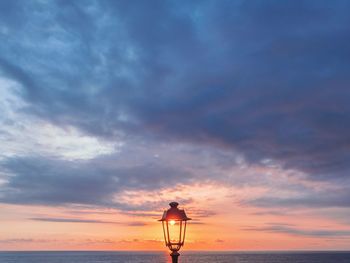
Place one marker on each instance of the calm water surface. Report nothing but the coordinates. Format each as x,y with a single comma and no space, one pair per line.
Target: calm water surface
186,257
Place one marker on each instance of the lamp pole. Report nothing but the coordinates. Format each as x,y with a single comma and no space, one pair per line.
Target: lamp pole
174,221
174,256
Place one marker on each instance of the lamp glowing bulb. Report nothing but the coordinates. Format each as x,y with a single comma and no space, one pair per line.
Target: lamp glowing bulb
172,222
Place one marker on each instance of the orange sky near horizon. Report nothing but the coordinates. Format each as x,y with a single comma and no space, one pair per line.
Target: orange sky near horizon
219,223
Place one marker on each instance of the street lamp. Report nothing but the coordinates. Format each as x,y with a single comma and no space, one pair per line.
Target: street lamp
174,222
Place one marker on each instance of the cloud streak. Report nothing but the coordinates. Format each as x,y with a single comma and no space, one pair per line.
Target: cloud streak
292,230
87,221
70,220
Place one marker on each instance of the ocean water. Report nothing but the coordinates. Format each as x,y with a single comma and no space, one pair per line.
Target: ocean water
185,257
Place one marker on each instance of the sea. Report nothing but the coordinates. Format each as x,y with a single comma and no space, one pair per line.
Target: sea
185,257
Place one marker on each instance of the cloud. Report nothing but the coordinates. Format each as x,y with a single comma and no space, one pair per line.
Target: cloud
137,180
71,220
26,240
261,80
88,221
202,213
274,213
142,214
136,224
266,79
320,199
55,182
22,134
292,230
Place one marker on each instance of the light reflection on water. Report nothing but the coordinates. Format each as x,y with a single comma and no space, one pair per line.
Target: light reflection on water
186,257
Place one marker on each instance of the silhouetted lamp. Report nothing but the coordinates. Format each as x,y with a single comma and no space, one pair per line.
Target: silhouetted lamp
174,222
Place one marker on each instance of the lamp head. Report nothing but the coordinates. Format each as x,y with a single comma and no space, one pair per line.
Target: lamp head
174,221
174,213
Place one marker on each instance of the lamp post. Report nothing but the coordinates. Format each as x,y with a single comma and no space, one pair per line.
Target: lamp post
174,221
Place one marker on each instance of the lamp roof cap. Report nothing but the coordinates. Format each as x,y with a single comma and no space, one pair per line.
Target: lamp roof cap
174,213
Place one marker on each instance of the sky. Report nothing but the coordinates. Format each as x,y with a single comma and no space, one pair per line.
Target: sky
238,110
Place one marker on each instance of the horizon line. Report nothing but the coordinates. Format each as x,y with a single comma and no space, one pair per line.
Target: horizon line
185,251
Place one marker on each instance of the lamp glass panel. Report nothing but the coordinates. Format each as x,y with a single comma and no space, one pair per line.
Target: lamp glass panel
183,234
166,238
175,229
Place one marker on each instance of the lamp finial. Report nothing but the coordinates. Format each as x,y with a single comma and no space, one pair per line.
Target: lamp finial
174,204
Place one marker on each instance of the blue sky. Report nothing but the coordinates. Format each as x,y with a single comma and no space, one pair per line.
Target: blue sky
100,98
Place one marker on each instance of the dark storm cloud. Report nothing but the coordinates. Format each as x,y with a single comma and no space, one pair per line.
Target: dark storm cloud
266,78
